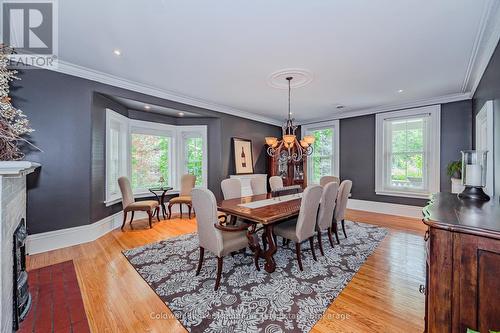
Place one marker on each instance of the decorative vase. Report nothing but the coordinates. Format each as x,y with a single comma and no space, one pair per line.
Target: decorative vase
474,175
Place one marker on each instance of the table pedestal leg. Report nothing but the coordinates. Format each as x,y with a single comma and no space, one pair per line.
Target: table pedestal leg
253,242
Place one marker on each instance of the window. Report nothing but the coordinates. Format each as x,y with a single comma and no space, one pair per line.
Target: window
407,152
324,161
116,153
151,154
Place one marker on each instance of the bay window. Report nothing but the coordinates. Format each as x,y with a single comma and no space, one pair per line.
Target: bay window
324,161
152,154
407,152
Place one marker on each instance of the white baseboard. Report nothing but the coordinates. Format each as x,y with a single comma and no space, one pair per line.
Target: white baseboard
385,208
58,239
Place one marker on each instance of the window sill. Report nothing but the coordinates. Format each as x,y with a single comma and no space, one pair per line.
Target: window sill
416,195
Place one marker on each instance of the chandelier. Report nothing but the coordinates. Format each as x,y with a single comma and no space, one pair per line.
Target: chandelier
289,148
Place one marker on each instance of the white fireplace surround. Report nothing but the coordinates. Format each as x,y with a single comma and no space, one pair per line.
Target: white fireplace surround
12,210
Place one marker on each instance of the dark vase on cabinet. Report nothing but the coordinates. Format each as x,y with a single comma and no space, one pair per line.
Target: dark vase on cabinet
292,173
462,287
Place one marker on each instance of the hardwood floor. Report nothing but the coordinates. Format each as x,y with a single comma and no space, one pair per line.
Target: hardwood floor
382,297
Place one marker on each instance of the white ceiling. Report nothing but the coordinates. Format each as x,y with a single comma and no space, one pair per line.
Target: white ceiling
221,53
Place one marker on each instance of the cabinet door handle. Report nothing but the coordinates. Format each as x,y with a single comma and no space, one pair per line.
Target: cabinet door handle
426,237
421,289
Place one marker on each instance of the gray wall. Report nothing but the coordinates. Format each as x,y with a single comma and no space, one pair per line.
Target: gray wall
357,150
489,89
68,115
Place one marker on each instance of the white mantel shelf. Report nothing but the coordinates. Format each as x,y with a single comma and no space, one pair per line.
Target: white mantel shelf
17,168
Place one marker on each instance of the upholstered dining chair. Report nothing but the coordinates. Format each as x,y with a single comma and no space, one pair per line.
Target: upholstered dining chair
187,184
130,205
302,228
328,179
275,182
213,236
259,185
231,189
340,207
325,214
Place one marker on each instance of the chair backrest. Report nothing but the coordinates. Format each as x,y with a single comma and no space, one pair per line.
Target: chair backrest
187,184
306,222
328,179
126,189
342,197
327,207
231,188
275,182
259,185
205,205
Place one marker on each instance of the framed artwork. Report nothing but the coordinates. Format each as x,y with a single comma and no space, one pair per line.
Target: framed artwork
243,158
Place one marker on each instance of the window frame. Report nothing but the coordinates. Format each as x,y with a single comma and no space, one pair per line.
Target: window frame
177,157
335,126
431,167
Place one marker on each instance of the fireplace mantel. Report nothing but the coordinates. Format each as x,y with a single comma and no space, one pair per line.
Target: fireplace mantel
17,168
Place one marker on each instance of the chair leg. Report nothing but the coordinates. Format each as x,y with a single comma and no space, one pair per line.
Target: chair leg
343,228
311,243
219,272
124,219
320,243
336,231
256,261
131,219
299,259
275,239
200,260
189,211
150,217
180,208
158,213
264,242
169,211
330,236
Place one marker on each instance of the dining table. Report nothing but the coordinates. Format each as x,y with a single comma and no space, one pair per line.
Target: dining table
263,212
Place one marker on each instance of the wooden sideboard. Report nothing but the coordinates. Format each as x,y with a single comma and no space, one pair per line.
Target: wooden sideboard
463,265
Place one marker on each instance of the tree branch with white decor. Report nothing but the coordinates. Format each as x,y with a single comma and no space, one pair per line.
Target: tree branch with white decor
14,124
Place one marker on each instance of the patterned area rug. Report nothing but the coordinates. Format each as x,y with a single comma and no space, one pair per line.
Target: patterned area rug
288,300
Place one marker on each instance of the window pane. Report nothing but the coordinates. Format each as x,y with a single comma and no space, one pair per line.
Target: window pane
407,135
321,158
407,170
150,161
194,158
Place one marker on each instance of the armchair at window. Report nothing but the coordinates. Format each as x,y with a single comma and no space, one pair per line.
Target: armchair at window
130,205
187,184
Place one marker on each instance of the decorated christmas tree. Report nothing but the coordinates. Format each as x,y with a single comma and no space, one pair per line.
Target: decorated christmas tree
13,122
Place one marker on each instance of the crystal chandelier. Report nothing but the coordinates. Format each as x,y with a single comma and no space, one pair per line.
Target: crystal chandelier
284,148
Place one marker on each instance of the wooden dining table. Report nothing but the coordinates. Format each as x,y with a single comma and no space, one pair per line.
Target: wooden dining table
277,210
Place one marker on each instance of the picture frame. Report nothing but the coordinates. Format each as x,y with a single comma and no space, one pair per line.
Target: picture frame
243,156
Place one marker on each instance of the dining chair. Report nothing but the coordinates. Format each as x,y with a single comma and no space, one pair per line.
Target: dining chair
325,214
130,205
214,236
259,185
340,207
231,188
302,228
328,179
187,184
275,182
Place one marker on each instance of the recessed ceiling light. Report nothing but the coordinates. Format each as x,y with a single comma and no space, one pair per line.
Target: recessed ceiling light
400,91
340,106
117,52
147,107
180,114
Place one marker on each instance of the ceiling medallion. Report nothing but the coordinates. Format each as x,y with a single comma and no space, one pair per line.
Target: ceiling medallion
301,78
289,148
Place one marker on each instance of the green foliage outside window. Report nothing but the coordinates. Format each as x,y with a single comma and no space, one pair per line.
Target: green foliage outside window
194,158
150,160
321,158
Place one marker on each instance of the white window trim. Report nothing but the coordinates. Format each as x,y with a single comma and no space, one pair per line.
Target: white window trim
176,133
434,148
112,116
335,125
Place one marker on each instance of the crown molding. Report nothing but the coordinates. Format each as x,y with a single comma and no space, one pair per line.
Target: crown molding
101,77
486,41
394,107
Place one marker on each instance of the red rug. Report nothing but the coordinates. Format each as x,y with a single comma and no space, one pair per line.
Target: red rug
57,302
